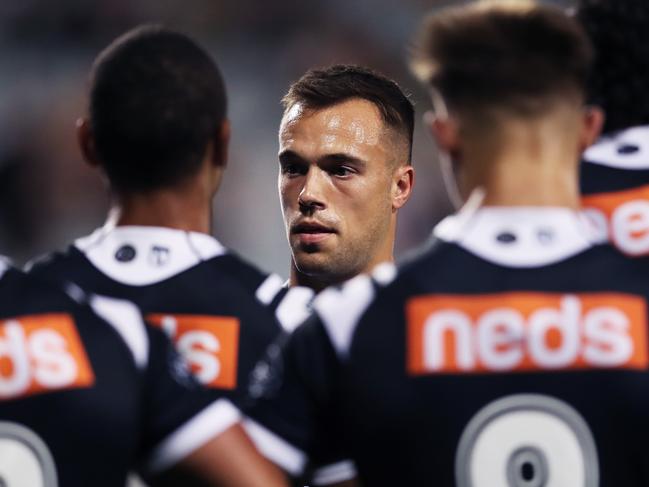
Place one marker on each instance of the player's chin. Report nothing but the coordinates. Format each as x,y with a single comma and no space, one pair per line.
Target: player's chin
312,263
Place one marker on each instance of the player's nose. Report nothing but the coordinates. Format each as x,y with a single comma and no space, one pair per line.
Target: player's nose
312,197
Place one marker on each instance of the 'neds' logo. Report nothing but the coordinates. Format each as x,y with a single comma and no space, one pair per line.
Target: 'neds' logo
39,353
622,217
521,331
210,344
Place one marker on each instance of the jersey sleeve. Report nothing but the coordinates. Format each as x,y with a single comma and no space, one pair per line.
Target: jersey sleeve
179,415
292,417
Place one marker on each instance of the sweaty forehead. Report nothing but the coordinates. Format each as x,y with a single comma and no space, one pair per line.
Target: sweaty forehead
353,125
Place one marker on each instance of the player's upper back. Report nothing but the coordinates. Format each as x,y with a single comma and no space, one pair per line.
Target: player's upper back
69,386
615,184
512,338
211,302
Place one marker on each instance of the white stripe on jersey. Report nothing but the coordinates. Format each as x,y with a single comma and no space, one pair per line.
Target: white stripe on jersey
340,310
206,425
334,473
268,289
295,307
277,450
126,319
5,265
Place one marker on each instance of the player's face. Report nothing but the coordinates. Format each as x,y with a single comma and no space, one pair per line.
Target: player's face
335,187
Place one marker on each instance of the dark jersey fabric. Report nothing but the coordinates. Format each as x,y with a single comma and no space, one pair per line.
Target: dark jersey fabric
220,287
97,431
405,428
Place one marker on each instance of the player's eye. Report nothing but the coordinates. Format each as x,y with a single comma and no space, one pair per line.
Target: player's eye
342,171
293,169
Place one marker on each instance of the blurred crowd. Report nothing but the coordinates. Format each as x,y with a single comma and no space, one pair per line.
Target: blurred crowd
48,196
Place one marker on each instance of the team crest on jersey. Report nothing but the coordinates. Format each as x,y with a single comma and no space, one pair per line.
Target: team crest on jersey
210,344
525,331
41,353
622,217
159,255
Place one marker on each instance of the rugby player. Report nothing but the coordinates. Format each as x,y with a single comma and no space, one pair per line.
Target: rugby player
513,351
85,400
157,129
615,171
345,144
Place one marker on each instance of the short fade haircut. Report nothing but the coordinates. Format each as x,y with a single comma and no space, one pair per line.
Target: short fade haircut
156,100
322,88
511,55
619,30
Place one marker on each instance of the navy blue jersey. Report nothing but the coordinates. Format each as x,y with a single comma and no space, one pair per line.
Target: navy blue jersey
615,185
218,309
84,399
511,352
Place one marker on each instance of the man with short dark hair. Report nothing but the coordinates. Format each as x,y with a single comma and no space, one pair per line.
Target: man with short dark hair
513,350
615,171
345,147
157,128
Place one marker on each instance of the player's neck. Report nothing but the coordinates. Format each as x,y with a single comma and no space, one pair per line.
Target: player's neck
536,167
181,209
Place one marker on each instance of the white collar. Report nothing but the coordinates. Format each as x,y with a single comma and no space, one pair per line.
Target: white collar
140,255
627,149
519,236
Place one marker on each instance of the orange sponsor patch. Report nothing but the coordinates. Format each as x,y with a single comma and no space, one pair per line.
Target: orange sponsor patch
210,345
623,217
41,353
523,331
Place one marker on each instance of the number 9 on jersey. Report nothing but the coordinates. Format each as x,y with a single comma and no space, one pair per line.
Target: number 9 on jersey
25,460
527,441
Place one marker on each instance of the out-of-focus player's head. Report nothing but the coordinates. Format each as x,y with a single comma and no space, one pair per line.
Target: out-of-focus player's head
345,145
619,80
508,79
157,123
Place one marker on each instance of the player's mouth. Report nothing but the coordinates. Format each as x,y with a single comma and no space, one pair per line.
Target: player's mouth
311,232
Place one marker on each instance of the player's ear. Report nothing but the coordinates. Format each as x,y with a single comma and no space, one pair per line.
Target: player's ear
593,121
86,142
221,144
402,183
444,130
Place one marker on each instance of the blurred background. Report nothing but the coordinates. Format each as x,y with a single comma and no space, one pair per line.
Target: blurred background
48,196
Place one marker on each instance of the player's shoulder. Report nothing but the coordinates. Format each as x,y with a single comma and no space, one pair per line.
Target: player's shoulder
247,277
31,292
55,264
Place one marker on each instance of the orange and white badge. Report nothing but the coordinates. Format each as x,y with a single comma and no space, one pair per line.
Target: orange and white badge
41,353
525,331
621,217
210,344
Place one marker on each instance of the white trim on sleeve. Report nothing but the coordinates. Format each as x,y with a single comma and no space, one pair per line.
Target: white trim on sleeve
334,473
207,424
277,450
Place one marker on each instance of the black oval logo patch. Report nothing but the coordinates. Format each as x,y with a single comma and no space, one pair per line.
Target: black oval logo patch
125,253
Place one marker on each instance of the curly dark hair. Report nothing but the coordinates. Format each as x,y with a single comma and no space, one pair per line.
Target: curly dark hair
156,100
619,83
